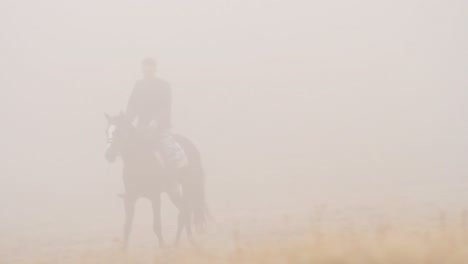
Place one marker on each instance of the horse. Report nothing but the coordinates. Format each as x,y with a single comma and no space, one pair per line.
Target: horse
145,176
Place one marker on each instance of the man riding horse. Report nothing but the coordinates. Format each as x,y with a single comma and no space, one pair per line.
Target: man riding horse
150,107
136,137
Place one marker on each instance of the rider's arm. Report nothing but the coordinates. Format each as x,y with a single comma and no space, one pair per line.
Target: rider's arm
166,102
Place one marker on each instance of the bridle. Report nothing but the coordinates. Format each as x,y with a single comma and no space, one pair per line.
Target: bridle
110,133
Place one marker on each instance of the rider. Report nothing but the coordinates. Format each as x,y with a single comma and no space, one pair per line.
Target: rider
150,106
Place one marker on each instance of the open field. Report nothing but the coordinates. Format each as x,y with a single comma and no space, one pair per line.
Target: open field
329,132
325,237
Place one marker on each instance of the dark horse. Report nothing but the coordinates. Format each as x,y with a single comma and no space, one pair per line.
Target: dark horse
145,176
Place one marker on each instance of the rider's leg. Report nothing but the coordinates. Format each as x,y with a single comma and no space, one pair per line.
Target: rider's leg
173,154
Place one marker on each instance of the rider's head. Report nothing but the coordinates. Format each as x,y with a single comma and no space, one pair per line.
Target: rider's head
149,66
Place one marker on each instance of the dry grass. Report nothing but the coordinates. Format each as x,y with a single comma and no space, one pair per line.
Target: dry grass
385,244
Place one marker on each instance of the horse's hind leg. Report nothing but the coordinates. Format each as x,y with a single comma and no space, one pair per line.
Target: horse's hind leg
156,203
189,227
180,229
176,199
184,223
129,204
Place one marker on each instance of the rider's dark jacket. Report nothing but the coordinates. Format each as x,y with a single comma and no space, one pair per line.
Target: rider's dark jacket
150,101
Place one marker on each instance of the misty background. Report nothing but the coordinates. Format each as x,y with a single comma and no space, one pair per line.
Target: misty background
292,104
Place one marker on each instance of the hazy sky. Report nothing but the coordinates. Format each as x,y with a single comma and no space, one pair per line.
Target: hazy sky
282,97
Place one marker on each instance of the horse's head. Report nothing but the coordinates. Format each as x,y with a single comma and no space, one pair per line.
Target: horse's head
118,132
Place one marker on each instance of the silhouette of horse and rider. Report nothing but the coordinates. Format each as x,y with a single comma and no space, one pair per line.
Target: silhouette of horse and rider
154,159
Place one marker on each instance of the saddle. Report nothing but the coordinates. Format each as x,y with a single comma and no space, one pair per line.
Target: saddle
169,151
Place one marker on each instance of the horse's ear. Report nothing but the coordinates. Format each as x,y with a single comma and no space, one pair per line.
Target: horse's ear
108,118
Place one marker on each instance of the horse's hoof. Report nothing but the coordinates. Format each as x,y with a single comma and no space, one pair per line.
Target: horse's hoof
193,242
176,244
163,245
124,248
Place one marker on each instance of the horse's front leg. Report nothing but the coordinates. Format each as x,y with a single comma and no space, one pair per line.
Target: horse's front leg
129,204
157,225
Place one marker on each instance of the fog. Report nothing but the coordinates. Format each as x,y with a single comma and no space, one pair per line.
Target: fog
292,104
